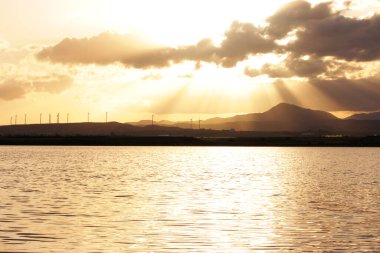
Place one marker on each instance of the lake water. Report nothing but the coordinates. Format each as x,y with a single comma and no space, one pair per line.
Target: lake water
189,199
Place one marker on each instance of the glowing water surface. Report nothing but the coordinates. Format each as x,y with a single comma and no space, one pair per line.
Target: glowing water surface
189,199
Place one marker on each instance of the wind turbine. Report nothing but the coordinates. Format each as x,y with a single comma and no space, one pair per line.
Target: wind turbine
40,118
58,118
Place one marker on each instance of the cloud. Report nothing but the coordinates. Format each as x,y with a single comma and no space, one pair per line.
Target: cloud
321,32
291,67
104,48
294,15
241,40
15,88
322,44
110,48
165,57
341,37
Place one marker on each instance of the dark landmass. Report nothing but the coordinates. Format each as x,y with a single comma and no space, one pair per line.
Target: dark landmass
365,116
283,125
284,118
373,141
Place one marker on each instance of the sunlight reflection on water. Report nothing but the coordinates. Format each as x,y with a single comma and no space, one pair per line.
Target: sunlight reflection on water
189,199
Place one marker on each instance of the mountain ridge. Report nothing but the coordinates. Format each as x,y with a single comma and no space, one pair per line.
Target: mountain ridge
365,116
282,118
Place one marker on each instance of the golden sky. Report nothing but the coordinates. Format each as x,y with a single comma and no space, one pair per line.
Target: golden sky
182,59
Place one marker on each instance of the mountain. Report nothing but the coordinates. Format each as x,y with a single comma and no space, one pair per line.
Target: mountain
283,118
105,129
282,112
365,116
291,118
89,129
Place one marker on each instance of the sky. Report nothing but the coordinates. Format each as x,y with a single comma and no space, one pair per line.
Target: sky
185,59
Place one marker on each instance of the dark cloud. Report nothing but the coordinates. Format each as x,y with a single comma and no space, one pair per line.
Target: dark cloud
306,67
323,47
290,67
321,32
11,89
341,37
241,40
294,15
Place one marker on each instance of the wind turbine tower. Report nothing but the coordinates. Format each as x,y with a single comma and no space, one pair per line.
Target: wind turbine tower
40,118
58,118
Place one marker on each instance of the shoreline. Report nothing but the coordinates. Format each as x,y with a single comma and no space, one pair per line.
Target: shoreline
296,141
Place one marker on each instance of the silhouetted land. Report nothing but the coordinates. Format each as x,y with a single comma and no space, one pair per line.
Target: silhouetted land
295,141
290,118
282,125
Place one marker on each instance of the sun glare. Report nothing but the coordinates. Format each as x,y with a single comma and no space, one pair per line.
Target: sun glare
171,22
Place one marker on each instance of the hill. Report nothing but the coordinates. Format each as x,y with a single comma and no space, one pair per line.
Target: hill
365,116
283,119
282,112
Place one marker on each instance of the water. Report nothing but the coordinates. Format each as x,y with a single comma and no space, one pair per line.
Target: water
189,199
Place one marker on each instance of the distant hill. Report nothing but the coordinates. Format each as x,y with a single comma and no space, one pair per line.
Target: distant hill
365,116
282,112
104,129
281,119
111,128
284,118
